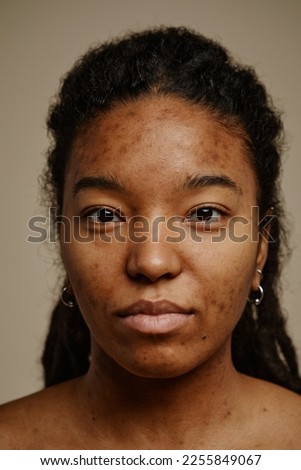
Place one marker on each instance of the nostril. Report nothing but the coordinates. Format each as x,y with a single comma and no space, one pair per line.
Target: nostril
151,262
142,278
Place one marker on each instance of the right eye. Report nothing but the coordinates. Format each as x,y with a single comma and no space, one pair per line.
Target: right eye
103,215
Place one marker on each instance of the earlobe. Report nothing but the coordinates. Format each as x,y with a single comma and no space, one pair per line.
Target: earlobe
257,295
67,295
261,258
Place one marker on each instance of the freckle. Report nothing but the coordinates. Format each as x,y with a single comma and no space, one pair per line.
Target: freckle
264,409
123,149
131,114
113,127
227,415
93,160
225,148
104,139
204,337
105,152
221,307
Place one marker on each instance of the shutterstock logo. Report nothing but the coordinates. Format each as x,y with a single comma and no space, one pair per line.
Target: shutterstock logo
139,229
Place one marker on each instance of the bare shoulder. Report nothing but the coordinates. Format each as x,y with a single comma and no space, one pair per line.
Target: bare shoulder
277,415
25,422
282,400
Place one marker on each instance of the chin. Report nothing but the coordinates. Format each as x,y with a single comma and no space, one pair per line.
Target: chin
159,367
154,362
159,373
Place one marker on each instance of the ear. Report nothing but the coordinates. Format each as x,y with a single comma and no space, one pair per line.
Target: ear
69,286
262,254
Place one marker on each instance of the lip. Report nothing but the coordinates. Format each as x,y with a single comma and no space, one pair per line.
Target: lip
158,317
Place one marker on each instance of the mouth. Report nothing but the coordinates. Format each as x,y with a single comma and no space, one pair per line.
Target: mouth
155,318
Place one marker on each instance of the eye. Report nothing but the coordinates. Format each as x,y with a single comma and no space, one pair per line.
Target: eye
104,215
205,215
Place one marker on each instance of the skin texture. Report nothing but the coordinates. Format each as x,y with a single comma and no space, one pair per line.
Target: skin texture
175,387
161,151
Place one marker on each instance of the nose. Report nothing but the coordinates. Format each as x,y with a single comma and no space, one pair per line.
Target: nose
153,260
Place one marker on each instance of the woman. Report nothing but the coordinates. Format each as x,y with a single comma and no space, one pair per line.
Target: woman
169,333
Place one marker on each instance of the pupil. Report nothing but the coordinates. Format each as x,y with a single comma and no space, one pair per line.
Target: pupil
204,213
105,215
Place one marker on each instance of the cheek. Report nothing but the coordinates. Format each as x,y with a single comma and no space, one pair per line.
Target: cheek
224,273
92,271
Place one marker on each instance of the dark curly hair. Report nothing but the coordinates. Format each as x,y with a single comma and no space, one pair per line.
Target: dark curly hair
181,62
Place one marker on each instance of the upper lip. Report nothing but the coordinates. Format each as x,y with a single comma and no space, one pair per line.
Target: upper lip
147,307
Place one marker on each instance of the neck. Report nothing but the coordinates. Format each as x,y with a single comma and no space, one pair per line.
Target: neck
207,394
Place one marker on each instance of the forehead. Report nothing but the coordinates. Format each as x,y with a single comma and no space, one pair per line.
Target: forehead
158,137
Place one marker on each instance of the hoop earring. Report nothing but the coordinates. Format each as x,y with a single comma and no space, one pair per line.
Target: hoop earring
67,299
256,300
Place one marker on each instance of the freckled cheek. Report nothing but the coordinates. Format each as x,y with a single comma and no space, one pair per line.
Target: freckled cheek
222,276
93,271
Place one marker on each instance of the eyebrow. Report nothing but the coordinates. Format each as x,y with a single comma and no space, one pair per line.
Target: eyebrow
191,183
203,181
99,182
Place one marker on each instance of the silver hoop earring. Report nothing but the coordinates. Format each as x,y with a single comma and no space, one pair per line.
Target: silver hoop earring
67,299
257,296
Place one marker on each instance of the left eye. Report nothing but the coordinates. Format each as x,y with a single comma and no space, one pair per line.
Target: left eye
205,214
104,215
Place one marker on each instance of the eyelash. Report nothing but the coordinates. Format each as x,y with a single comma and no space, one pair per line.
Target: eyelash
108,213
207,215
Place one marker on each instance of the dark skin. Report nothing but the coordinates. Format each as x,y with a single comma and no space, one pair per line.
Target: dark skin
169,383
267,417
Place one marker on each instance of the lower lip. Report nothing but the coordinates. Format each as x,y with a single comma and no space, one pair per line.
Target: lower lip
156,324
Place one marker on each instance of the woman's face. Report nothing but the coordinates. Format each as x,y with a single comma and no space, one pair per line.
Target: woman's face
163,255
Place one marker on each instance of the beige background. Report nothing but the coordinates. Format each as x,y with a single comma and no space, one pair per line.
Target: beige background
40,39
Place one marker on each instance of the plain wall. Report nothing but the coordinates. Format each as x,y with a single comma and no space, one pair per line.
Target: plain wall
40,39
